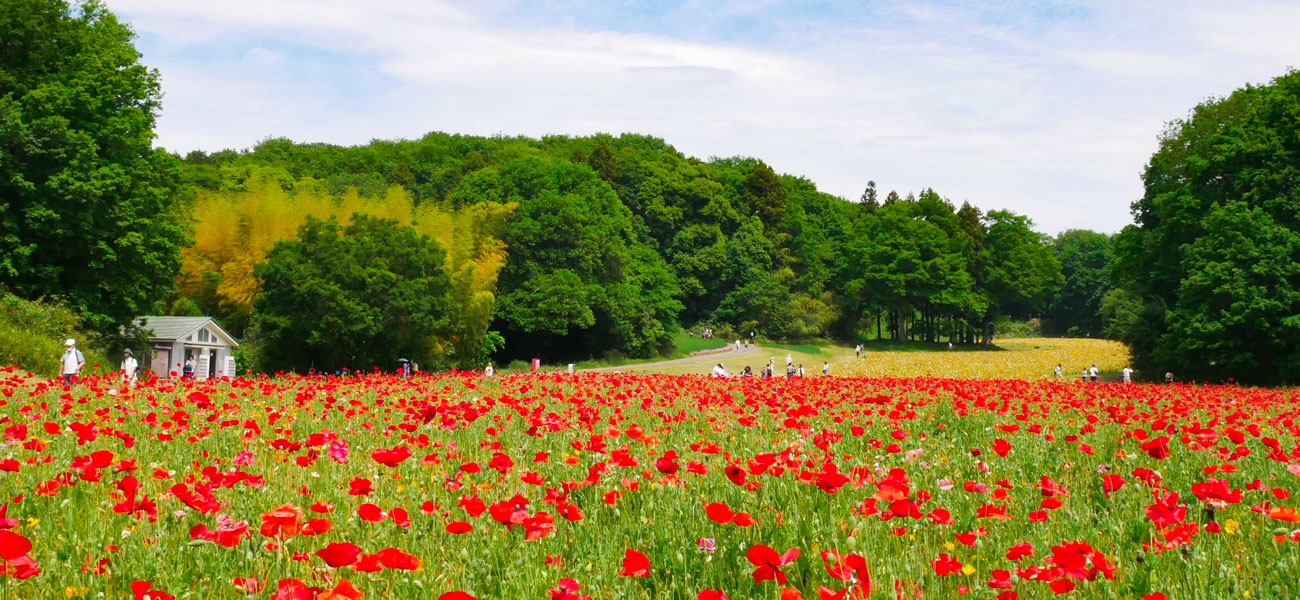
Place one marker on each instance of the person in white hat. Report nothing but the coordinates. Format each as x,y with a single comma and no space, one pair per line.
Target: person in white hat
130,368
72,362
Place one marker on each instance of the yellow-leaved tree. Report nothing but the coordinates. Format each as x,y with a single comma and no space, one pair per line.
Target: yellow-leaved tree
234,229
471,237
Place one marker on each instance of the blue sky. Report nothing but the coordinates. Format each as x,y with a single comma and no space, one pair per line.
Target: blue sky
1049,109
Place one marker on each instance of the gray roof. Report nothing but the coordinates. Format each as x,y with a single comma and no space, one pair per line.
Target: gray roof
175,328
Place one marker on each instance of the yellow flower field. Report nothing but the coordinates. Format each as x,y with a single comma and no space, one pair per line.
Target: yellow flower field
1032,358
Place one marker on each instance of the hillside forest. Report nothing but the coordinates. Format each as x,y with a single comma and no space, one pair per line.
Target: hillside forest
455,249
577,247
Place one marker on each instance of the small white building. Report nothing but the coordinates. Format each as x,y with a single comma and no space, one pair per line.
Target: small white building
173,340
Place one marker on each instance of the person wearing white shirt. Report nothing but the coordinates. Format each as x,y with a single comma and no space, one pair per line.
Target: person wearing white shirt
826,368
488,371
1093,372
789,360
72,362
1059,375
130,368
1128,374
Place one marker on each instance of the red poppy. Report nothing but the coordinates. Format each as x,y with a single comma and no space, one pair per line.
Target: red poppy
370,513
459,527
456,596
248,585
144,590
282,521
394,558
635,564
946,565
566,589
339,555
13,545
1111,483
391,458
769,563
1020,551
825,593
719,512
1062,586
360,487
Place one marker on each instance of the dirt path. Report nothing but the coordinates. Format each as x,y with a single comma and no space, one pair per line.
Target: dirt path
677,361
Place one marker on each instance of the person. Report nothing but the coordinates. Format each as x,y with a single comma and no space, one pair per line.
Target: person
1169,376
751,335
789,360
1127,374
1093,372
720,371
130,368
1059,375
801,369
950,346
488,371
789,370
826,368
858,350
1085,374
748,372
71,363
187,371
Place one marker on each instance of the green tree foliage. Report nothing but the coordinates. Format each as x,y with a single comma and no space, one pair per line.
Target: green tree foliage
763,194
1075,309
1238,310
85,211
578,280
1205,268
355,297
32,335
618,240
1023,271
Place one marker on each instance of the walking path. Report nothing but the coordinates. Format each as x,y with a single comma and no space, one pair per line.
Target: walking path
752,349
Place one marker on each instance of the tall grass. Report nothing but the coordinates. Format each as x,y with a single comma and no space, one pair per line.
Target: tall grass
32,335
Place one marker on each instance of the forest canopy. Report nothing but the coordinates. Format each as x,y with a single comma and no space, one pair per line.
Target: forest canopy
578,247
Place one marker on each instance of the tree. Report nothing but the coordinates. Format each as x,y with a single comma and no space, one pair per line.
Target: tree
578,281
355,297
755,295
85,200
1242,152
1023,271
1085,258
761,193
868,201
1238,311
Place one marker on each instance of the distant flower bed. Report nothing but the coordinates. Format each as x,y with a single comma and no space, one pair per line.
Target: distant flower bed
713,350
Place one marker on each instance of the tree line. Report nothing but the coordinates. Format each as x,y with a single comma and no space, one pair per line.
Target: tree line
466,247
612,243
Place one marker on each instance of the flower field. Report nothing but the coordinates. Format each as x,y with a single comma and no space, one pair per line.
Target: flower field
597,486
1030,358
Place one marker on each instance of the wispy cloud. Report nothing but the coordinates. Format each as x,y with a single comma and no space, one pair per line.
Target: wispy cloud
1050,112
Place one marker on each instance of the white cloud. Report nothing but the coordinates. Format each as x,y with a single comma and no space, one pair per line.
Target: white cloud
1053,118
